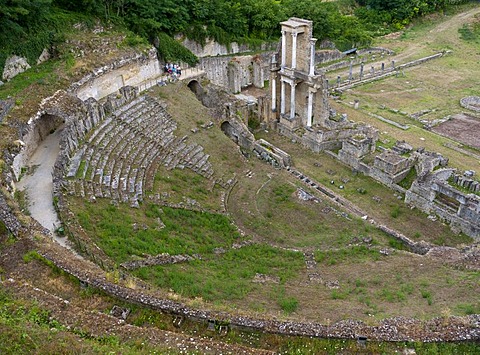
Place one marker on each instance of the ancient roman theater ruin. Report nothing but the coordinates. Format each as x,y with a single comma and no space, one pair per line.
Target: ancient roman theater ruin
114,136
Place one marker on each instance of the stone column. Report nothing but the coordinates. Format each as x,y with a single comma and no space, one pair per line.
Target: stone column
274,94
310,109
282,98
294,50
292,100
312,56
284,49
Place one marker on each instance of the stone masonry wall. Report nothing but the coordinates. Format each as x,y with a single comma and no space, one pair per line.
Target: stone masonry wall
128,71
393,329
212,48
234,73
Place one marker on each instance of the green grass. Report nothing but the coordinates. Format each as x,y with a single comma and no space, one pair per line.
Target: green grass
408,221
81,170
27,328
42,74
355,254
181,185
468,308
273,210
123,234
408,180
470,32
288,304
228,276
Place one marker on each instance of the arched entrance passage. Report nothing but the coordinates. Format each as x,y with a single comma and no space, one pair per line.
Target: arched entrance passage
196,88
47,124
229,131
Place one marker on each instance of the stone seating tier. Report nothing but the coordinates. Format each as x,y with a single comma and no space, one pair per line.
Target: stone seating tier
125,150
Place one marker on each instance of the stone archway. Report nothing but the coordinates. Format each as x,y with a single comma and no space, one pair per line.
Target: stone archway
229,131
46,125
197,89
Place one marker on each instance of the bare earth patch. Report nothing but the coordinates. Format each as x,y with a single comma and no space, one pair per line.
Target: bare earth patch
462,128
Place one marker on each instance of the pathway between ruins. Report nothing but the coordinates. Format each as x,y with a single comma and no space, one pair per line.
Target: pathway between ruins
38,184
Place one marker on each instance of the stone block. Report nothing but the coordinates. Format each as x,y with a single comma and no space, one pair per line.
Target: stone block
14,65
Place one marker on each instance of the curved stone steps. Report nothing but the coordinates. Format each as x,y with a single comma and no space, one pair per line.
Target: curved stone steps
124,152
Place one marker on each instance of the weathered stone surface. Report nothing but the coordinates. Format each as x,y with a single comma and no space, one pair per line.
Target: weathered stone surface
471,103
44,56
14,65
5,107
7,217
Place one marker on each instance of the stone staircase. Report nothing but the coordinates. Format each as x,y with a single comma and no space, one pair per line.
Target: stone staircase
123,153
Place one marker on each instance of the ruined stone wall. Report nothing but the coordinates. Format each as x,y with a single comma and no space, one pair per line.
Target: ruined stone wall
236,115
392,163
211,48
394,329
265,149
466,182
424,194
236,72
54,110
128,71
471,103
327,55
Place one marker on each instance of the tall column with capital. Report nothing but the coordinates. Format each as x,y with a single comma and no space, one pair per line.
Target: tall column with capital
284,48
274,94
312,56
310,109
292,100
282,98
294,50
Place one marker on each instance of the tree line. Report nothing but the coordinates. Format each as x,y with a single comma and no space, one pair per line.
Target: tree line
347,23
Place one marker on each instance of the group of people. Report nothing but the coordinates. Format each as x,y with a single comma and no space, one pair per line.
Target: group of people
173,69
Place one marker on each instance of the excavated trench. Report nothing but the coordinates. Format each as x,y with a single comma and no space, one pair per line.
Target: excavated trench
44,145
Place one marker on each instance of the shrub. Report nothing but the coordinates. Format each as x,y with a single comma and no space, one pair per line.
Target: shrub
395,212
288,304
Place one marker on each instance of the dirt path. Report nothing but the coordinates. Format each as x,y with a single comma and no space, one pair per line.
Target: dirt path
38,184
450,25
446,30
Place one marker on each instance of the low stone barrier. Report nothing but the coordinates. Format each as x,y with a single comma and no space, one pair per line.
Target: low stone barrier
471,103
392,329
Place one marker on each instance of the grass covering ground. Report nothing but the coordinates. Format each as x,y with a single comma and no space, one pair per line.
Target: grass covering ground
265,204
436,86
182,186
228,277
124,233
380,202
269,207
351,279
